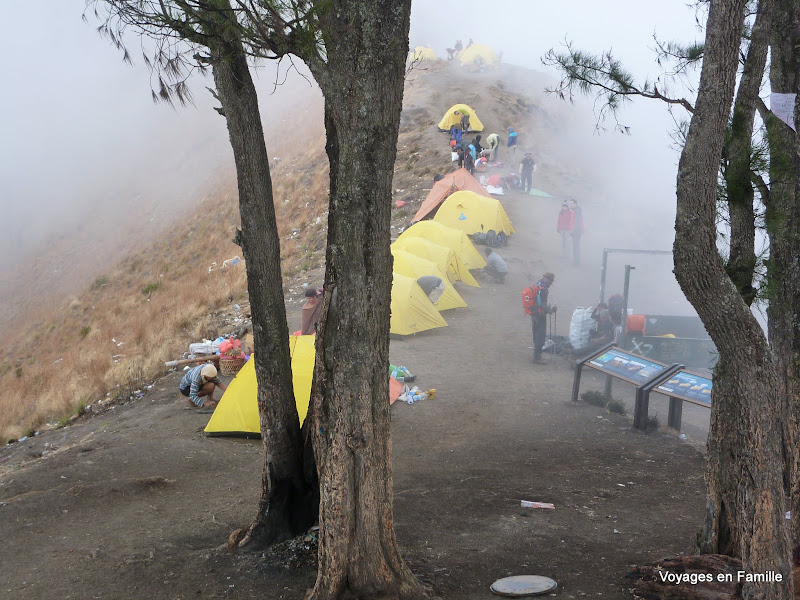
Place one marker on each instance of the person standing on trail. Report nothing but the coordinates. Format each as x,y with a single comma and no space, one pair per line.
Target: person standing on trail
564,225
198,385
478,148
311,311
534,303
469,161
526,168
577,231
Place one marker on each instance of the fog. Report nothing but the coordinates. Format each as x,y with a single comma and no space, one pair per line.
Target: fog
82,137
632,200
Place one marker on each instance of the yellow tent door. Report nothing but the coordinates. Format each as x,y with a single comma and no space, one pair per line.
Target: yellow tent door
452,238
412,310
473,213
237,411
444,257
450,118
410,265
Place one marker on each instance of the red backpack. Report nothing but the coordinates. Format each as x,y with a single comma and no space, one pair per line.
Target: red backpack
530,299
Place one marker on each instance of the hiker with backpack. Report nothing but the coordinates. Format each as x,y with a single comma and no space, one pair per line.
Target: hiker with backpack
512,140
534,303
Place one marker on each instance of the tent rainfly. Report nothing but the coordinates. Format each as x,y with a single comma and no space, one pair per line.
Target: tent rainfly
237,411
446,258
450,118
411,265
452,182
422,53
472,213
478,53
412,310
452,238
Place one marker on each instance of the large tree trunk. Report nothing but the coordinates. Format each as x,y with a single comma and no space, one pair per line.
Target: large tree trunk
783,228
286,506
366,42
738,155
745,462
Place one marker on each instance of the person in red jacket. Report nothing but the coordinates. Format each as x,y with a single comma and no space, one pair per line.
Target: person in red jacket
564,225
577,231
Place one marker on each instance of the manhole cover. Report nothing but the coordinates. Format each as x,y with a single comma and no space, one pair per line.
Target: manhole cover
523,585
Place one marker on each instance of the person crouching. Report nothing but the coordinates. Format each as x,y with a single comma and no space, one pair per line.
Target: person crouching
496,267
198,385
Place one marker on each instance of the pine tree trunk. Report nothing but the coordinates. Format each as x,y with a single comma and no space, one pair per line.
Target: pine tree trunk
366,42
286,505
745,461
783,227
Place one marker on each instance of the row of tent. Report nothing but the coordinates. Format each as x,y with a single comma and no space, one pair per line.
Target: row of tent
429,247
438,245
468,56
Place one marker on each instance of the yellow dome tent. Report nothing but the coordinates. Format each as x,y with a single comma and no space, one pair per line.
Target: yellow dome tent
450,118
478,53
422,53
472,213
412,310
237,411
446,258
411,265
452,238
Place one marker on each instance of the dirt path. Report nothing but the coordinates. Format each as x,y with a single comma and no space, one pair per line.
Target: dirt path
136,503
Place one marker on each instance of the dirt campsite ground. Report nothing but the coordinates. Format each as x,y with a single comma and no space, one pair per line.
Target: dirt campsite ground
138,503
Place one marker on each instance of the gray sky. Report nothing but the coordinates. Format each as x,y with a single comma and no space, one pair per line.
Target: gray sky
81,132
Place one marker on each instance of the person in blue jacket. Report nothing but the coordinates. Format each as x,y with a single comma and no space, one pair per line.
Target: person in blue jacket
512,140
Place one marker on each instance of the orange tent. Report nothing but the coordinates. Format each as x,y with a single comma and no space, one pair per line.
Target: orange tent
454,182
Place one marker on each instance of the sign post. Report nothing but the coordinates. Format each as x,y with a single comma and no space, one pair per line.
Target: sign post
615,362
681,386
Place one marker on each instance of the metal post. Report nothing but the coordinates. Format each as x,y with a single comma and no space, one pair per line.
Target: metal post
603,275
625,290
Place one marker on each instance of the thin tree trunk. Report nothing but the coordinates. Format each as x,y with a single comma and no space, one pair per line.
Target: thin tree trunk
745,462
366,42
286,505
783,227
742,259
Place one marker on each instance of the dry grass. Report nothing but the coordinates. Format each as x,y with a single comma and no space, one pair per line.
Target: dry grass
158,300
108,341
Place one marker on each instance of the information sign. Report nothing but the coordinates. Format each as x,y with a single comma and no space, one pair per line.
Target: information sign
687,386
629,367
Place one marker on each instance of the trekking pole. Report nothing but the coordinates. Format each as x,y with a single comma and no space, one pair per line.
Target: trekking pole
550,319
